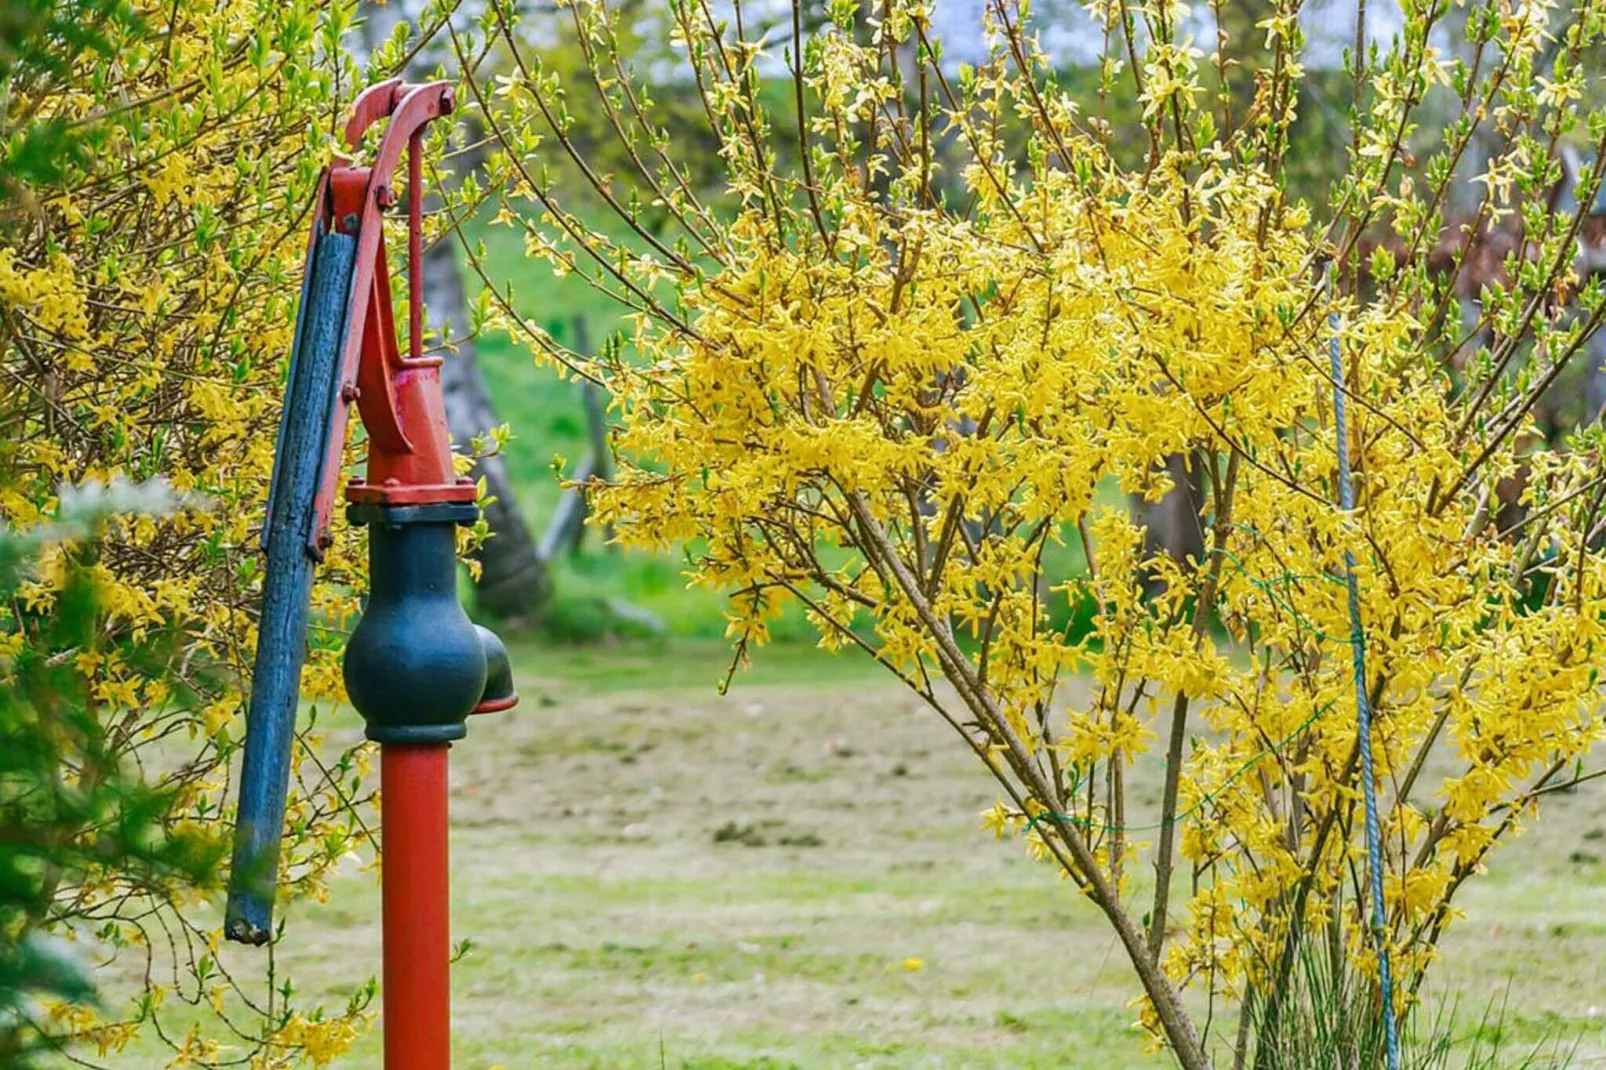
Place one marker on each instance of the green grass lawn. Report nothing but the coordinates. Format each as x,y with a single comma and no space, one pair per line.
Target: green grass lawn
547,420
654,876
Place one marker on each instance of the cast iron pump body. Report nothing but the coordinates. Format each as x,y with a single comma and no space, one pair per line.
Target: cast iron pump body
415,666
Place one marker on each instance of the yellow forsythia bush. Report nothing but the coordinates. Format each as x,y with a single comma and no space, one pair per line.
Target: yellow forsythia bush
939,312
147,300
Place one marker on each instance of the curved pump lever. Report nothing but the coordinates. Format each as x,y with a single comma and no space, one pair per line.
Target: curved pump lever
345,353
398,399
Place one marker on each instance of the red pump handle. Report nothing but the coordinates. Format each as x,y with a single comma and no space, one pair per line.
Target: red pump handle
398,398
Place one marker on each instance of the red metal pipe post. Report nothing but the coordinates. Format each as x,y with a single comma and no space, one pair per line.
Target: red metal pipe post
418,949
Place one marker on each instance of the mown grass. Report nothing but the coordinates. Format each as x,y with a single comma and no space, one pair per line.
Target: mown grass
652,875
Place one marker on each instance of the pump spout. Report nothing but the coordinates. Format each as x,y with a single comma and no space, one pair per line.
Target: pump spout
499,694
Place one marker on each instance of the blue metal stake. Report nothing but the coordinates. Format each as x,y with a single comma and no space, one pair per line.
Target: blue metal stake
1363,706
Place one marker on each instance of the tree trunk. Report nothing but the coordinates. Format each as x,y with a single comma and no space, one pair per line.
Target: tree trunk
1172,524
513,581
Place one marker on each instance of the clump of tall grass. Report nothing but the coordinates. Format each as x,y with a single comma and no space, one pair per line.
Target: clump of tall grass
1327,1019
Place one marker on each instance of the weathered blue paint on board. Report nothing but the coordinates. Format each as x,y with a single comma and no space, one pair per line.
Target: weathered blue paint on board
287,589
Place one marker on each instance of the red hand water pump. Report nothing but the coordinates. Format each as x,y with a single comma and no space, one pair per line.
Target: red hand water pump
415,666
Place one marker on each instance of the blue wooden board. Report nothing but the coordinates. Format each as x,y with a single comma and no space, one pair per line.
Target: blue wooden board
287,590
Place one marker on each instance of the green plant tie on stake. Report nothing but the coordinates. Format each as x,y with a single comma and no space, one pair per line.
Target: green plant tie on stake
1363,711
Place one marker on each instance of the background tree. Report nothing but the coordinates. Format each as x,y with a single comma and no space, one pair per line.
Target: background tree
511,580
